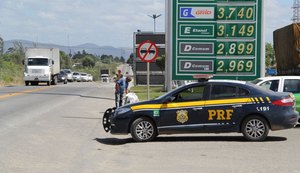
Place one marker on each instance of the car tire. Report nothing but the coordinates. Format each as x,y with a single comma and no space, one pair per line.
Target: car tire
255,128
143,130
54,80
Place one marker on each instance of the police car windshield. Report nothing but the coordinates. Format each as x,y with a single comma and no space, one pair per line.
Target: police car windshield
164,95
256,81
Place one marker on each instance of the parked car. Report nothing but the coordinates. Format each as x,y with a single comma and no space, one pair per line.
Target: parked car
206,107
105,78
69,74
90,78
77,76
282,84
84,77
63,77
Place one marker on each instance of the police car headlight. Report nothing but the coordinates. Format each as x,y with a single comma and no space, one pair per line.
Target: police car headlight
122,111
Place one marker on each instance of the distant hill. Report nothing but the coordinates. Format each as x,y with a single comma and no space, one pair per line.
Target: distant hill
88,47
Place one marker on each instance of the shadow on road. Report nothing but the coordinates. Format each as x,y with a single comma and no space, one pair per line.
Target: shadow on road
115,141
214,139
88,118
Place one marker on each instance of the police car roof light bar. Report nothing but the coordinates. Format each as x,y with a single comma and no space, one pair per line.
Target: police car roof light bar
203,77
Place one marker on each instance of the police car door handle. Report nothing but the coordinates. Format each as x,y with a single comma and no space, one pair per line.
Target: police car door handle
237,106
197,109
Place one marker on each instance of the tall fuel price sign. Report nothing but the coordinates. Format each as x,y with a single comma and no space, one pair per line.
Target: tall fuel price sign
219,37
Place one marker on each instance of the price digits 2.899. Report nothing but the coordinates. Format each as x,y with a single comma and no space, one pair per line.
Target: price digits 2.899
235,48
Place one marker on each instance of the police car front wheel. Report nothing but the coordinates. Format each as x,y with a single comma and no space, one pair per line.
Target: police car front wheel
143,130
255,128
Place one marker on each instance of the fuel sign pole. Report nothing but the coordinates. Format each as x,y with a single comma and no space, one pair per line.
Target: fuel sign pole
219,37
148,52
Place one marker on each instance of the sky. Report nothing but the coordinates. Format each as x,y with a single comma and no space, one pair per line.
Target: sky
102,22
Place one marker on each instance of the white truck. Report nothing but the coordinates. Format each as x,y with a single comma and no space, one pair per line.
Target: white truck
41,65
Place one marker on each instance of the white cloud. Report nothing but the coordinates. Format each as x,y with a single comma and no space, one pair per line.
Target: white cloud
104,22
278,13
47,15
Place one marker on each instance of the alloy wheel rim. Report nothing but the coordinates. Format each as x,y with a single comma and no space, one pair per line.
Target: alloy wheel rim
144,130
255,128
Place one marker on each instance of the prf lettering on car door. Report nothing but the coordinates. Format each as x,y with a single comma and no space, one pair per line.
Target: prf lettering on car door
220,114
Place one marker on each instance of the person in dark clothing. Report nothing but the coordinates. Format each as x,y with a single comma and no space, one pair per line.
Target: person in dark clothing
121,88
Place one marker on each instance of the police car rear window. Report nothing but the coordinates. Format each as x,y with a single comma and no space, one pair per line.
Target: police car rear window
243,92
222,91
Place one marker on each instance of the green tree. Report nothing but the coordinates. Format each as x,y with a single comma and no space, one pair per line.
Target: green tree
161,62
122,60
130,59
117,59
15,54
78,56
270,55
104,59
65,61
88,61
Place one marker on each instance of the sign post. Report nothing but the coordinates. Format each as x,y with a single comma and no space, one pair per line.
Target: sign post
148,52
220,37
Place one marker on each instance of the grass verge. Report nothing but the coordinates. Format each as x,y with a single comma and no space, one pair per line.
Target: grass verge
141,92
10,73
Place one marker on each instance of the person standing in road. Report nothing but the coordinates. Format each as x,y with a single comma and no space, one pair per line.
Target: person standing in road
121,88
119,75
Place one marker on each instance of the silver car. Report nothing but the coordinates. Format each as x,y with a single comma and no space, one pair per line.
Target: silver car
69,74
77,76
84,77
90,77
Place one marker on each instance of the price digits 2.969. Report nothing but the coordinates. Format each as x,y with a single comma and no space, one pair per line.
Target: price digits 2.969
235,65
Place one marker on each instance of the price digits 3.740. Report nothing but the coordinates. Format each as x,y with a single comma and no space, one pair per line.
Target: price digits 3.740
236,13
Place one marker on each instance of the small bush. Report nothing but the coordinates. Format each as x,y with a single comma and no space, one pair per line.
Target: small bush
10,73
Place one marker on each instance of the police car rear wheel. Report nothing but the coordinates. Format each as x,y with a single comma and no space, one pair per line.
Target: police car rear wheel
255,128
143,130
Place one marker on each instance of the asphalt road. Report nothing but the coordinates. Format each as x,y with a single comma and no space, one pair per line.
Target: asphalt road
58,129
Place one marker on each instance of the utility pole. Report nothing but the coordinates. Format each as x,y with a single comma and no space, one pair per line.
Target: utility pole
296,11
1,46
154,17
